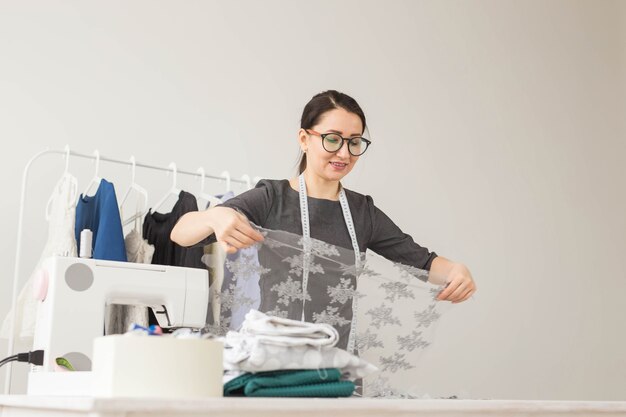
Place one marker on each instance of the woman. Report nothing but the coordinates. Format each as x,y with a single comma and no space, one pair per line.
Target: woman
331,141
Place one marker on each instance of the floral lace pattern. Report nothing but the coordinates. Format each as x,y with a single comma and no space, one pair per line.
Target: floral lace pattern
397,307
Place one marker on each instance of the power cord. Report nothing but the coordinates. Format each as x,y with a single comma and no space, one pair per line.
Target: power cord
35,357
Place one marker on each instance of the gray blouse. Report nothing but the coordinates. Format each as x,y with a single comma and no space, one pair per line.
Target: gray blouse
273,204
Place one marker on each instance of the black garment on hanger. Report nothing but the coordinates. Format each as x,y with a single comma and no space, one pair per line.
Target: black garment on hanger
157,228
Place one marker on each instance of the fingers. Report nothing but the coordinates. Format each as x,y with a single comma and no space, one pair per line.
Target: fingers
460,285
242,235
231,241
459,296
467,294
245,240
236,232
446,295
227,248
244,227
457,291
450,288
456,294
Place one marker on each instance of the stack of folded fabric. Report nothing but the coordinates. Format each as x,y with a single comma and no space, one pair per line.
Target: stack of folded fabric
307,383
273,356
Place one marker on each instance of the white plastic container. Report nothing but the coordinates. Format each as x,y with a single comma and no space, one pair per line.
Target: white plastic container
157,366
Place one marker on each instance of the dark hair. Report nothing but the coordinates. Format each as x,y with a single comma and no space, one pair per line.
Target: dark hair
320,104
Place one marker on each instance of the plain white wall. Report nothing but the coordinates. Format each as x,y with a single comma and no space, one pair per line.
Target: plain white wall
499,141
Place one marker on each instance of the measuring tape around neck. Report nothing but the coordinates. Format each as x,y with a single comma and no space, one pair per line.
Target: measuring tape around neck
306,233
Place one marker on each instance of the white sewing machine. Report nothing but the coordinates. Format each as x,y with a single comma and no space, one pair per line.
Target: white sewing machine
73,293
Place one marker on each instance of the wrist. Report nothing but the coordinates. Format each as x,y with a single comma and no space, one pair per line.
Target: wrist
440,270
208,219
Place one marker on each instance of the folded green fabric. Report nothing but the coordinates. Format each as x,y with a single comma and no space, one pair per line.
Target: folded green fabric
300,383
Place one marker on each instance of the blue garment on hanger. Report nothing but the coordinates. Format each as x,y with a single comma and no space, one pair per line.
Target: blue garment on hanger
101,215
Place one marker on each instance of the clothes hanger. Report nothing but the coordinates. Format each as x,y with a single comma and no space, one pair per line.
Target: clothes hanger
202,194
65,177
96,179
140,211
246,179
172,191
226,176
256,180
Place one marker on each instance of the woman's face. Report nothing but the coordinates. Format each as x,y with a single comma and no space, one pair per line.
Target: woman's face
331,166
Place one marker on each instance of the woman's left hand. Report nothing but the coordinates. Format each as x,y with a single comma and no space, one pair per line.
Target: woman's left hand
460,285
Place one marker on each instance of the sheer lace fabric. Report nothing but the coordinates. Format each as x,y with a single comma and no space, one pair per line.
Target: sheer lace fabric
390,307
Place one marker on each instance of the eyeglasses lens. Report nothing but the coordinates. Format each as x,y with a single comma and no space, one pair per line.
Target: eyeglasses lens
356,146
332,142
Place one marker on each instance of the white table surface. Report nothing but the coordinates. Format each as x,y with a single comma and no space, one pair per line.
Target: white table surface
22,405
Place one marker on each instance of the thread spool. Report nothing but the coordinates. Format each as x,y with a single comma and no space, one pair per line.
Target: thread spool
86,238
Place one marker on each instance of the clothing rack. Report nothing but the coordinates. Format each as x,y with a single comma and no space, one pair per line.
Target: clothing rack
67,153
148,166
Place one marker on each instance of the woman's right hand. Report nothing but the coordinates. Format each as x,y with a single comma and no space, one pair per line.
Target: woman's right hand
232,229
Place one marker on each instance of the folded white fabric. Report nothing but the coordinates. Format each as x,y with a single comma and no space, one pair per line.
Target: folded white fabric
250,354
268,343
286,332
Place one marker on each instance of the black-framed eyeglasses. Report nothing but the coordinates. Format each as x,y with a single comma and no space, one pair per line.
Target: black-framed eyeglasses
332,142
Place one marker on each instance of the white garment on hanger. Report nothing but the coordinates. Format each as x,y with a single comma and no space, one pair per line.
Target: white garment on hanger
61,242
138,250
